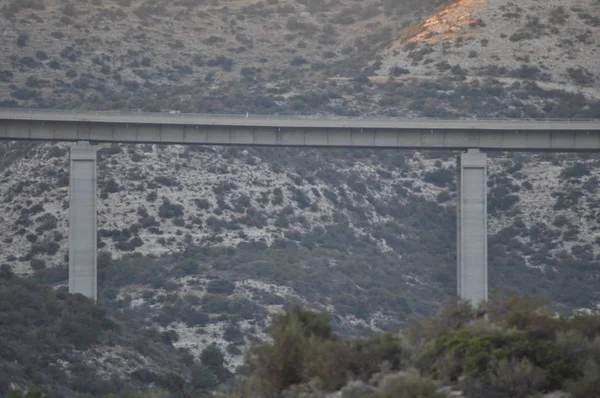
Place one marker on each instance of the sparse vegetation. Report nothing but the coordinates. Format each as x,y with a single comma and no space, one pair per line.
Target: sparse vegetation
370,233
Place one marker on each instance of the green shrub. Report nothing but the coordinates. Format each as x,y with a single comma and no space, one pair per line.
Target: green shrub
32,393
398,71
523,350
411,386
204,378
581,76
588,326
587,386
478,353
576,170
220,286
22,39
332,361
212,357
170,210
440,177
6,76
233,334
217,304
508,378
37,264
24,94
304,347
517,310
188,267
280,364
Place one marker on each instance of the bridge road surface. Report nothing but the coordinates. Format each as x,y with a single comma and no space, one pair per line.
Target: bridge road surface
160,128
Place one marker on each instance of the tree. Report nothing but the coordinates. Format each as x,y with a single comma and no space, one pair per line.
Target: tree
212,357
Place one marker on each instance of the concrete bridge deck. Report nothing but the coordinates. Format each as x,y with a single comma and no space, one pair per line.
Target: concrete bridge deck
165,128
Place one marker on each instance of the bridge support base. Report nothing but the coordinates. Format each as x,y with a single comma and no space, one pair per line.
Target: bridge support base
82,220
472,275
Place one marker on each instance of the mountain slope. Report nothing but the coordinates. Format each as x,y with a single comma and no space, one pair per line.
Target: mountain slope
209,242
545,41
70,345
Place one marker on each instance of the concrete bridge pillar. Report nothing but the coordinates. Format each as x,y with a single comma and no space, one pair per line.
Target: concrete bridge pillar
472,275
82,220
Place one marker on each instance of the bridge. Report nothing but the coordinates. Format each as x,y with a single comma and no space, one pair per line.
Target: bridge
472,137
435,134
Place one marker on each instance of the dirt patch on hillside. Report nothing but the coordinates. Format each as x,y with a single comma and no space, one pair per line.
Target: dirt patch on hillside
447,22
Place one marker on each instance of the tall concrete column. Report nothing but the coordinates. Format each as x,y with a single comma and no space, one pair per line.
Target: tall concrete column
472,275
82,220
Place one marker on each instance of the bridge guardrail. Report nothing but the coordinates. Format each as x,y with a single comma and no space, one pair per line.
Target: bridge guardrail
273,117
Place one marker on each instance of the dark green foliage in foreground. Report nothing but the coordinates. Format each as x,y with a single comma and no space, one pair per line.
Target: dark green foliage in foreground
304,347
523,350
33,393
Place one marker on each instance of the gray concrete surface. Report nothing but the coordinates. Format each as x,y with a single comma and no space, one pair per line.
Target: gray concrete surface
472,278
506,135
82,220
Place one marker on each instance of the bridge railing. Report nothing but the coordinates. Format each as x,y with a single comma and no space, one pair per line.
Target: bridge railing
270,116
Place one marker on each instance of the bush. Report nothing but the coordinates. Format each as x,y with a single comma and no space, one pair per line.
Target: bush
188,267
169,210
576,170
22,39
304,347
443,197
166,181
204,378
220,286
37,264
6,76
588,386
233,334
216,304
202,204
517,310
580,76
440,178
29,62
24,94
225,63
280,364
523,350
398,71
412,386
212,357
297,61
509,378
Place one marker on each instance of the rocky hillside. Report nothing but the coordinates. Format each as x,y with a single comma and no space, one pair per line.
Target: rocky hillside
205,243
71,346
548,41
58,52
391,57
